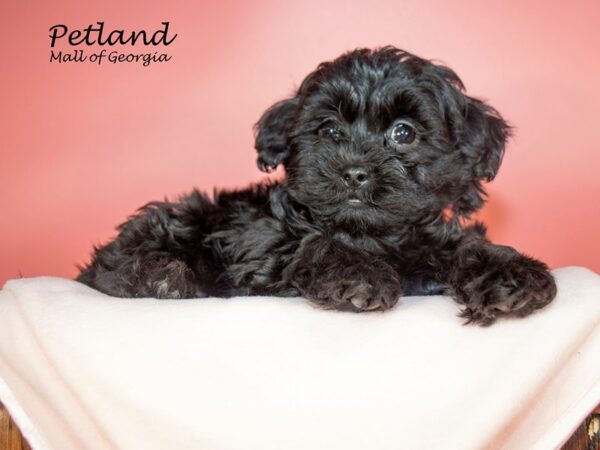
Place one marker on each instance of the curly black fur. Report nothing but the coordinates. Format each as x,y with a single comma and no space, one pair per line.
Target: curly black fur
384,155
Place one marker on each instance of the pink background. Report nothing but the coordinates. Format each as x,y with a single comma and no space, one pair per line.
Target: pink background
82,146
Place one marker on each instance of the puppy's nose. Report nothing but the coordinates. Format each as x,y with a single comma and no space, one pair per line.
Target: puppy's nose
355,176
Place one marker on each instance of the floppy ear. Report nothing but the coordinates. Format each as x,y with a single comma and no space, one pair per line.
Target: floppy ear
478,133
483,138
478,130
272,134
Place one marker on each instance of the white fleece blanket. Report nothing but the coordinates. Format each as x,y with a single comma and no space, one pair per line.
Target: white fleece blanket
79,369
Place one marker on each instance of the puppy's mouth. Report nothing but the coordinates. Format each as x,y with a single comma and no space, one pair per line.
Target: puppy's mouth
353,200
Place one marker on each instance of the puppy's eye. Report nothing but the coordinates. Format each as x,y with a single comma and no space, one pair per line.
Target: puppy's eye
330,131
403,133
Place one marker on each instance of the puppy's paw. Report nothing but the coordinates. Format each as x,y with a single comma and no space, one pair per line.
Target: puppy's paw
356,287
360,295
168,278
494,287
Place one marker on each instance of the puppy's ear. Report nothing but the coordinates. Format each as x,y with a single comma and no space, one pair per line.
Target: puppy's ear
483,138
272,134
478,130
478,133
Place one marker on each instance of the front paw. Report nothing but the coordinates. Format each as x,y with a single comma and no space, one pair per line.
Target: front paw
357,287
494,285
360,295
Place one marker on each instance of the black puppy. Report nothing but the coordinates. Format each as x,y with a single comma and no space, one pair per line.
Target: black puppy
385,157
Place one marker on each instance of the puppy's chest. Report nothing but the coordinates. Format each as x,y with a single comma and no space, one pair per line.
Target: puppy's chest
392,245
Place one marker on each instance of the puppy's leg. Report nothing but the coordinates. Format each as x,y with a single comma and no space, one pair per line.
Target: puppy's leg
494,281
154,274
335,276
151,256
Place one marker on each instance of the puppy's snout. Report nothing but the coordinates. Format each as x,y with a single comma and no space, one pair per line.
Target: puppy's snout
355,176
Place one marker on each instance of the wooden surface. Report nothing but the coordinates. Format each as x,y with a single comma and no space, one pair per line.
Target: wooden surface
10,437
587,436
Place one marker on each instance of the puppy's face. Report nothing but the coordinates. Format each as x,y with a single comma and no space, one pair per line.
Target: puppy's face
377,138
